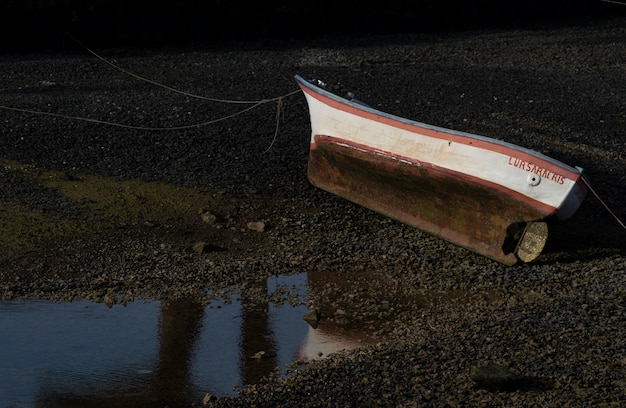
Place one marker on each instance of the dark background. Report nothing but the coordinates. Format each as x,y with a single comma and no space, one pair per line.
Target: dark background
42,24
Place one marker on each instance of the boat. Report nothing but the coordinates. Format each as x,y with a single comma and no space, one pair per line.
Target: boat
487,195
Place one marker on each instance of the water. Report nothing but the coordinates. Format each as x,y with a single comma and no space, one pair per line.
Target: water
149,352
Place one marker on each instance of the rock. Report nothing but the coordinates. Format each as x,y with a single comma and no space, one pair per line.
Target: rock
313,318
208,397
199,247
109,299
256,226
495,376
150,223
202,247
207,217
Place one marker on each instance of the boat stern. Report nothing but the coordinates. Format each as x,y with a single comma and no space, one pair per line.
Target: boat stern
574,198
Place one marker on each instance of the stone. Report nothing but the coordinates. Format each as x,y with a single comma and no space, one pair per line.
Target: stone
313,318
495,376
256,226
207,217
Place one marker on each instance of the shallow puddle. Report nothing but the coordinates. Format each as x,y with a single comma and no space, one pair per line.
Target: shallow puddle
86,354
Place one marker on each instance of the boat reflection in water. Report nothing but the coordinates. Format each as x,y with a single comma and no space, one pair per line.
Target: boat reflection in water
146,353
330,338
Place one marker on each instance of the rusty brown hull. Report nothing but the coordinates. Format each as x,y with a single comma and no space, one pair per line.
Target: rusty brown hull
455,207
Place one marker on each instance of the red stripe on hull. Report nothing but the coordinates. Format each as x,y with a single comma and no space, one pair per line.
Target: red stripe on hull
445,134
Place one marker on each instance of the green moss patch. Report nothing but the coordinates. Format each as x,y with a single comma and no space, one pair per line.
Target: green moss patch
22,230
110,200
96,204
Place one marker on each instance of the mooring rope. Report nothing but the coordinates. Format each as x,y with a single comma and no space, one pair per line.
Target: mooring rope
278,114
150,81
621,3
603,203
254,104
122,125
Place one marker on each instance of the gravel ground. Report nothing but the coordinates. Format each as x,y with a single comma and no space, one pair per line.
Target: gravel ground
113,213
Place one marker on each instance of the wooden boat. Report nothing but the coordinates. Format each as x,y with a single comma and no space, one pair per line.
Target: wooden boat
486,195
